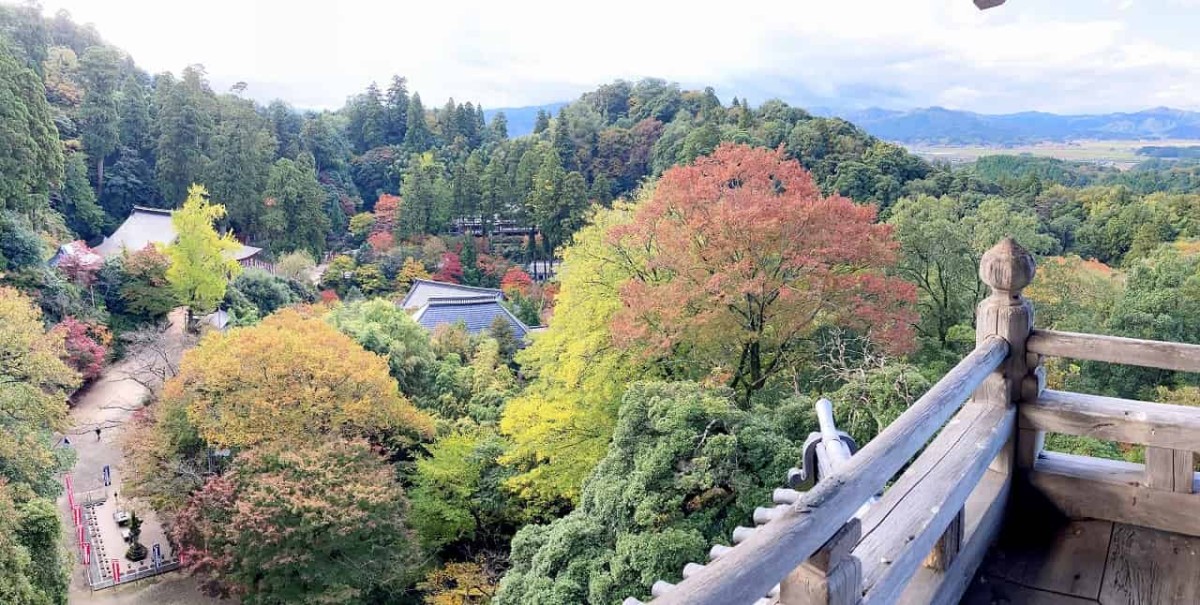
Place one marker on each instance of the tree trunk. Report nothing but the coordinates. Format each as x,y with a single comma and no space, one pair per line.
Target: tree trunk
100,177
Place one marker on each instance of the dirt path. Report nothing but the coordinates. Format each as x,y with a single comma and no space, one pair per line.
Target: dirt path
108,404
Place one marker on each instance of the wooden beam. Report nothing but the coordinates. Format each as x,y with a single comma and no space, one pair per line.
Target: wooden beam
830,577
984,517
1113,419
1178,356
915,526
1111,490
751,568
1160,468
1185,471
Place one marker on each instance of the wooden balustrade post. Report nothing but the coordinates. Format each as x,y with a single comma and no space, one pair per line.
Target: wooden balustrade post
832,576
1007,269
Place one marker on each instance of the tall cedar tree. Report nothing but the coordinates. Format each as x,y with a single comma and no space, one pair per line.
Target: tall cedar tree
747,259
32,161
100,68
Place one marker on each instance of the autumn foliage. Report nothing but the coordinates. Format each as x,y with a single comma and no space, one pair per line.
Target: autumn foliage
291,378
381,241
451,269
387,214
86,346
82,264
516,280
746,259
330,512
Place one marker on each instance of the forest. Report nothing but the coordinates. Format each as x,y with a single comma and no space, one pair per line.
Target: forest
723,265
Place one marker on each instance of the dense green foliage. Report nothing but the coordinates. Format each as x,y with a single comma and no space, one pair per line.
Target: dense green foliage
373,461
685,466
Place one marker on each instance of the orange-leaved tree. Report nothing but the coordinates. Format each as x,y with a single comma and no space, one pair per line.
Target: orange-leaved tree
745,259
291,378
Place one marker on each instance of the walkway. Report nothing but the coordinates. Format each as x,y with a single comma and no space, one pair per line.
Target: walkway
109,403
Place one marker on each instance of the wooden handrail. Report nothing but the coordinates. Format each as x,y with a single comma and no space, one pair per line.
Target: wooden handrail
1115,349
908,535
1113,419
750,569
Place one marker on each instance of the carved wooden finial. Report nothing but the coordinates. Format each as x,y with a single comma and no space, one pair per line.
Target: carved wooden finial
1007,268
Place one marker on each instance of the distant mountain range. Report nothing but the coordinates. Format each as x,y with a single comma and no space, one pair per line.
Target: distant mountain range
941,126
521,119
937,125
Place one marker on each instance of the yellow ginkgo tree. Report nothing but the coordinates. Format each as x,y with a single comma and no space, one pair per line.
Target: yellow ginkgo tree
200,264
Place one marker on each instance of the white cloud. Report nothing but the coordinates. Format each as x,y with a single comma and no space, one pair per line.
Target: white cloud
1073,55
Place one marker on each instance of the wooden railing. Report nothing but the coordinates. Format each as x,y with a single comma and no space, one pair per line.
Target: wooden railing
1160,493
927,535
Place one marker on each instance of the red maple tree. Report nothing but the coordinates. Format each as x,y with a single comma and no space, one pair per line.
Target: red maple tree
387,213
450,270
86,344
744,259
381,241
516,280
82,263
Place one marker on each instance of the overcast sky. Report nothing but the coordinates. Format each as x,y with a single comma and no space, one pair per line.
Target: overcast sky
1050,55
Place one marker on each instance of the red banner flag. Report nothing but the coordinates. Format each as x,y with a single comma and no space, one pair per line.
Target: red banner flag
116,570
87,553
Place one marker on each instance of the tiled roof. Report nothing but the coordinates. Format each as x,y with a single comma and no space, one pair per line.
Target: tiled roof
423,290
244,252
143,227
146,226
475,312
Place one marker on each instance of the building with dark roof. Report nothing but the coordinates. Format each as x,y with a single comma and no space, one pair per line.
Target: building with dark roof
423,290
475,312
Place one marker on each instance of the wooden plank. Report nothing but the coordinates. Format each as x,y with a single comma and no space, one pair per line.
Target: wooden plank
1069,560
1091,469
992,591
1113,419
984,516
911,531
1089,495
775,549
1151,567
1185,465
1114,349
930,457
1160,468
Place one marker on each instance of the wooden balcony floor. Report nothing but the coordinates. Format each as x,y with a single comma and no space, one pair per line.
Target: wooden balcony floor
1079,562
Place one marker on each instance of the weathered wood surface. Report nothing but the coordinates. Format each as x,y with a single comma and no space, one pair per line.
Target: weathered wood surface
914,527
1160,468
1114,349
1067,560
1146,566
1106,489
832,576
880,543
1185,471
987,590
1091,469
984,516
1113,419
775,549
